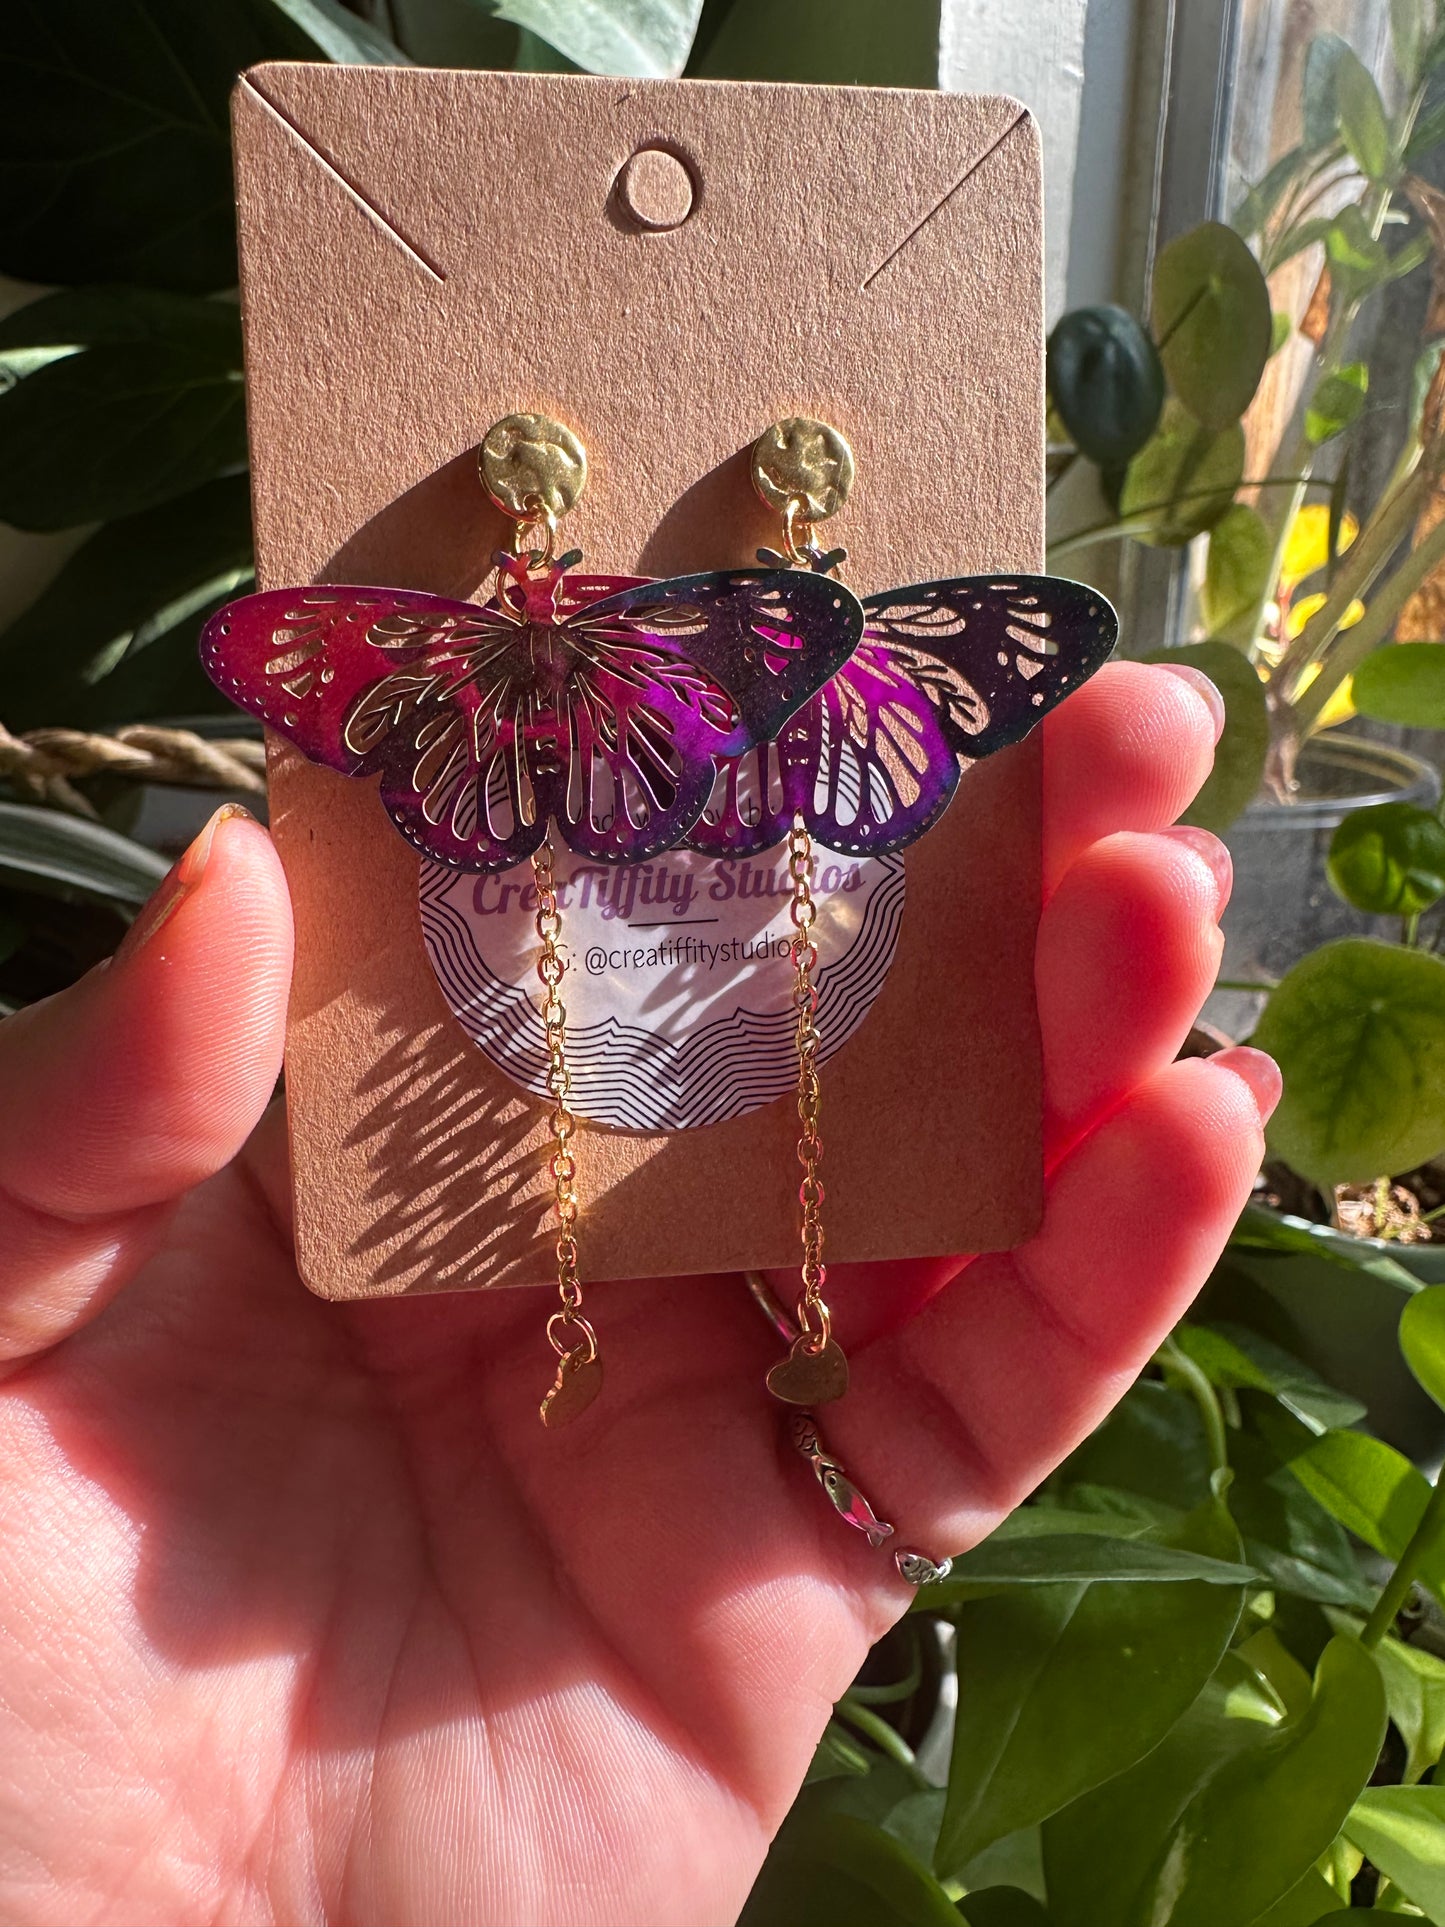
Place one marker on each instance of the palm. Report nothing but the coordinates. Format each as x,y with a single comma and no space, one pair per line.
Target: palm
304,1615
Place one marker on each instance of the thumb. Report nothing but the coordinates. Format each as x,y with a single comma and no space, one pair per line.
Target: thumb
139,1081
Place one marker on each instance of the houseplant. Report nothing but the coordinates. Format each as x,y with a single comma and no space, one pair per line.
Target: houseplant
1207,1596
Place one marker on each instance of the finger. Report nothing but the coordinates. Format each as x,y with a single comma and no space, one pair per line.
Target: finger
957,1416
144,1078
1128,950
1128,751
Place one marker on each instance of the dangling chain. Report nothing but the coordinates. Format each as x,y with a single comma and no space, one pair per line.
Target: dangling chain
550,969
813,1316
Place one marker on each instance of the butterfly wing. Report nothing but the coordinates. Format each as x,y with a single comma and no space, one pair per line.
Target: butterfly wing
946,672
424,692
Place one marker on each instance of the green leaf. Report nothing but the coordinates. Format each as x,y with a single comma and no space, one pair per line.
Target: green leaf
1415,1691
1183,479
850,42
1404,682
1388,859
1304,234
1236,575
649,38
1052,1559
1321,111
1212,318
1336,402
1265,1231
1363,122
1409,32
1288,1535
1301,1906
1428,134
1233,1356
1106,381
341,36
1422,1340
1358,1029
1152,1444
1065,1685
1229,1813
1352,247
70,653
68,856
1280,331
153,408
1265,196
1401,1830
831,1870
115,151
1372,1489
1240,752
454,33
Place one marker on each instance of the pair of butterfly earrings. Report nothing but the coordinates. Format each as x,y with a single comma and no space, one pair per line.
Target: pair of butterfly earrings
726,712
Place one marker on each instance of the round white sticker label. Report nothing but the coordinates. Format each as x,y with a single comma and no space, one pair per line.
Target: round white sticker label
678,983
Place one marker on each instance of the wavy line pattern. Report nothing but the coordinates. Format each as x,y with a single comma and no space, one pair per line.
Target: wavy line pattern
628,1076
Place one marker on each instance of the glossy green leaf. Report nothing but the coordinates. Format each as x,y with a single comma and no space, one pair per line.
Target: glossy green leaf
1415,1691
648,38
1229,1812
115,153
1363,122
68,856
1320,109
1358,1029
1002,1907
1063,1686
1309,233
1428,133
1212,319
1336,402
69,654
1106,382
1233,1356
1404,682
151,404
1183,479
340,35
1401,1830
831,1870
1239,754
1388,859
1265,196
1081,1557
1299,1547
851,42
1152,1444
1422,1340
1372,1489
1265,1231
1237,574
1312,1899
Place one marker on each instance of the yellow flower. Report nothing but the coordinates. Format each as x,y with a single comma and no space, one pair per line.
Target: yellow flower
1341,705
1301,611
1307,546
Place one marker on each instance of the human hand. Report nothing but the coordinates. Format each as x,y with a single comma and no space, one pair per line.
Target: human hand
303,1616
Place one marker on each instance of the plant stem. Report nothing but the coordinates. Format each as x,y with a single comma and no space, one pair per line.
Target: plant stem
885,1738
1262,984
1139,522
1173,1358
1397,1587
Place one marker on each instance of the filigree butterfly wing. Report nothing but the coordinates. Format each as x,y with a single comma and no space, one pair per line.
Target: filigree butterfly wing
436,697
678,673
769,637
946,672
994,654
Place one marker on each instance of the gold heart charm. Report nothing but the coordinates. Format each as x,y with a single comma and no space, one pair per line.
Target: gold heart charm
810,1378
578,1381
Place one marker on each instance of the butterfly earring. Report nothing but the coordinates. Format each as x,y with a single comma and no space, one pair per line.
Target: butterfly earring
944,674
589,708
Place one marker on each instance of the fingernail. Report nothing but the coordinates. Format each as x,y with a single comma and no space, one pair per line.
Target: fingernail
1257,1069
181,881
1206,845
1203,688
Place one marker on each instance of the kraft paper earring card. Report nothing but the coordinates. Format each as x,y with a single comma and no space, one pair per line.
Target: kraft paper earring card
422,257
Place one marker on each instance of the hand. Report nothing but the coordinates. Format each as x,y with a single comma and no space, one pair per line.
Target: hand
302,1614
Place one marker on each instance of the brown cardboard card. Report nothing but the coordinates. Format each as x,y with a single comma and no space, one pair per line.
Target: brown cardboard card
423,252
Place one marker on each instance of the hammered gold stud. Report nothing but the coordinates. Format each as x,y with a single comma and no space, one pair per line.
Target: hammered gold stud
803,465
530,464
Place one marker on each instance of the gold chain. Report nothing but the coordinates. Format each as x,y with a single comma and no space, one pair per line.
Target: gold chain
813,1316
550,968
